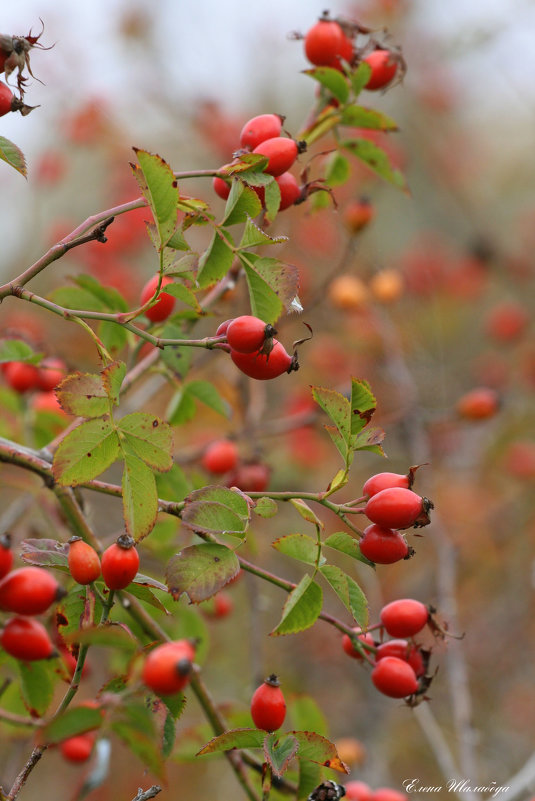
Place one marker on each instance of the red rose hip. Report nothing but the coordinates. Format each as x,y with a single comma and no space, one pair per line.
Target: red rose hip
165,303
268,707
167,667
404,617
258,129
27,639
29,591
394,677
397,507
120,563
83,561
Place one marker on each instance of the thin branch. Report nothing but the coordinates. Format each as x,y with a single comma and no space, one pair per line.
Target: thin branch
144,795
20,781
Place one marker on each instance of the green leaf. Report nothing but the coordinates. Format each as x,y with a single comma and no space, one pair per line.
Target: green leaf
235,738
146,595
348,591
363,405
306,512
160,190
177,241
344,543
315,748
109,296
301,609
279,752
206,392
137,730
113,335
337,170
243,202
337,408
86,452
74,720
201,570
265,302
282,278
370,439
173,485
332,79
250,166
112,379
306,714
298,546
44,552
182,407
310,776
253,236
361,117
265,507
183,294
217,259
272,200
77,299
111,635
37,684
217,510
339,480
140,498
360,77
177,358
149,438
83,395
13,155
14,350
377,160
168,736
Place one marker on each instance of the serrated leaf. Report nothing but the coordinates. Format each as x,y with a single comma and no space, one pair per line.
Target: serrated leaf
112,379
298,546
336,172
77,299
235,738
377,160
264,301
113,335
340,443
140,498
345,543
44,552
332,79
283,279
361,117
71,722
160,190
363,405
338,409
177,358
253,236
109,296
216,510
206,392
148,437
182,407
306,512
249,166
111,635
265,507
146,595
37,684
242,202
14,350
216,260
279,752
177,241
200,571
318,749
348,591
340,480
13,155
183,294
272,201
86,452
306,714
173,485
360,77
301,609
138,732
310,776
168,736
83,395
370,439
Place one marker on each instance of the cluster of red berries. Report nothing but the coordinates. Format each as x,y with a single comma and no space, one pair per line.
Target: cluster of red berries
399,664
222,458
253,348
391,506
262,135
330,43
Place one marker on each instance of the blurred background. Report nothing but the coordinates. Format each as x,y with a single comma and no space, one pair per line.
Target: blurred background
440,302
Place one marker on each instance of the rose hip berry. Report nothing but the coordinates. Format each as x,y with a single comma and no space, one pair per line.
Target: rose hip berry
281,153
221,187
349,648
83,561
326,43
264,366
167,667
21,377
250,477
289,189
29,591
6,99
384,68
248,334
6,555
78,748
404,617
403,650
268,707
27,639
397,507
382,481
50,373
220,456
358,214
165,303
258,129
120,563
384,546
480,403
358,791
394,677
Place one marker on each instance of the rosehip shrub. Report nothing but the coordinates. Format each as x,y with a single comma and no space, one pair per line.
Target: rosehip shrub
167,667
29,591
397,507
268,707
83,561
404,617
247,334
384,68
394,677
258,129
165,303
27,639
264,366
6,555
350,649
384,546
220,456
119,563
